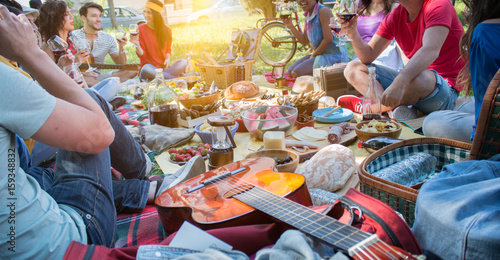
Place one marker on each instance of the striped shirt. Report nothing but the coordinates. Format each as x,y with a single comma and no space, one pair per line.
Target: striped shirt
103,44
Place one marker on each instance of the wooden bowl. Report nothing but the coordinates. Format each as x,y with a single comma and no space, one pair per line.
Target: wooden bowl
309,123
204,100
364,136
279,154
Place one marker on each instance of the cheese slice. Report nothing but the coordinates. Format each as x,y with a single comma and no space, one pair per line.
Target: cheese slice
300,136
313,133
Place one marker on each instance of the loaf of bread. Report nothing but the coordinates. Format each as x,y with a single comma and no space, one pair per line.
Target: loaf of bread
241,89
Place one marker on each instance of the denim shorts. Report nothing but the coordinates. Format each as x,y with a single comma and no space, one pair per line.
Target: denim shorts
443,97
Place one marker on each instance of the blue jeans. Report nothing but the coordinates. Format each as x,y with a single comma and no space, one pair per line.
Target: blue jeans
443,97
107,88
452,124
457,212
126,156
303,66
148,71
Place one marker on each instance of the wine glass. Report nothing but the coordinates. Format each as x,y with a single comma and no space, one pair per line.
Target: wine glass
133,29
57,44
122,36
337,31
82,45
346,10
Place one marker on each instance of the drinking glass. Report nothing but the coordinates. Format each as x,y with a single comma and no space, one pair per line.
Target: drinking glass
346,10
121,36
82,45
57,44
133,29
337,32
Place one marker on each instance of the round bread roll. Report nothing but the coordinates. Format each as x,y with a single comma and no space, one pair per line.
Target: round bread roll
241,89
330,168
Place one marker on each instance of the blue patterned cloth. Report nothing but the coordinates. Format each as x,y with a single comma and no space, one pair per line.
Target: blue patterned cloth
332,54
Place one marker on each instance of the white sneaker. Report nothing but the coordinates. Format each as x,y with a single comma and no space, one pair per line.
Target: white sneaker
405,113
193,168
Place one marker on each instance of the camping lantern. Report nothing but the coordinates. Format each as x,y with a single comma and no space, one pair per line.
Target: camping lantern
221,151
279,79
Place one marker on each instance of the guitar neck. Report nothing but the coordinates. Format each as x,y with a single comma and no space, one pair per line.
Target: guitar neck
357,243
134,67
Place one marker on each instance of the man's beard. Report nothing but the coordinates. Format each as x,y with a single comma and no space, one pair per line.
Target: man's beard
95,27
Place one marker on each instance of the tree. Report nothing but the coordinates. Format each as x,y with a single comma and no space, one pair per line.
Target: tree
112,14
266,7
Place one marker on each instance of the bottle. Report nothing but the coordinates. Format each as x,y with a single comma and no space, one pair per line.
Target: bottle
409,171
240,67
377,143
372,107
190,73
162,102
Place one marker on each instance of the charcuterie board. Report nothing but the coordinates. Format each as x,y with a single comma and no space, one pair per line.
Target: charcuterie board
307,154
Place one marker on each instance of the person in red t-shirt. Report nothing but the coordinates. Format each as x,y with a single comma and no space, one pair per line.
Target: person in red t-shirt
428,33
154,45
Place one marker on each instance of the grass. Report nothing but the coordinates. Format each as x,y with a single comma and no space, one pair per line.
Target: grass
214,37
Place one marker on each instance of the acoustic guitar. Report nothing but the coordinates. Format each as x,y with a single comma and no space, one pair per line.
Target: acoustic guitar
133,67
230,194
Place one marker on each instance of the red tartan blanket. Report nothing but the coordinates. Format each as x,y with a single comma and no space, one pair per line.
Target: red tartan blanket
139,228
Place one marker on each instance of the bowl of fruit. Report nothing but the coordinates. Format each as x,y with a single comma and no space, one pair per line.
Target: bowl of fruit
269,118
182,155
199,94
286,161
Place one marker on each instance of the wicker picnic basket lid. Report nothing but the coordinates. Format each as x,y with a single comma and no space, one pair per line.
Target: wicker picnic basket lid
404,192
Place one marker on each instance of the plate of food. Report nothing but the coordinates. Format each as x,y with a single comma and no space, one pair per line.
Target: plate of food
181,156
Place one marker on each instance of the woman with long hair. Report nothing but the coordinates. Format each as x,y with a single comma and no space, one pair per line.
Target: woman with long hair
154,44
479,49
318,34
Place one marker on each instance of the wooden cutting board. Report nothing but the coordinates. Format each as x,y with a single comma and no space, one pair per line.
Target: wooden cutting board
346,140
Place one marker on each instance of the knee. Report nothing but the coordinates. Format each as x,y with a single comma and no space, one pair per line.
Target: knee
352,69
435,124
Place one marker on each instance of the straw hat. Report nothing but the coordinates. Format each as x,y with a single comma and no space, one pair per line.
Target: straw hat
303,84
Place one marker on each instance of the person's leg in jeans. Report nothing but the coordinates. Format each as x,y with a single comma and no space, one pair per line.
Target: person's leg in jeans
108,88
456,125
303,66
175,70
147,73
83,182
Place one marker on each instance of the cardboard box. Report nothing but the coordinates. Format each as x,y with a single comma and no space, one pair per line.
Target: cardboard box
331,79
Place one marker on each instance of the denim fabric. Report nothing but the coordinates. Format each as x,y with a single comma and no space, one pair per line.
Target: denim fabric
293,244
107,88
457,212
153,252
148,71
452,124
130,195
443,97
24,154
82,181
303,66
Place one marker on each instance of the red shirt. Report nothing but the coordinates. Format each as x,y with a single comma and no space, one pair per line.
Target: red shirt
409,35
154,54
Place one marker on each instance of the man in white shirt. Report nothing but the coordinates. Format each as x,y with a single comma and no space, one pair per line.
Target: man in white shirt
101,44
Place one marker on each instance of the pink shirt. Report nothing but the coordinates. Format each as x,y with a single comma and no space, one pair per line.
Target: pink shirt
368,25
409,35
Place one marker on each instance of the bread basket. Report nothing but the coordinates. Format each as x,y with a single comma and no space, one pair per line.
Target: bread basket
204,100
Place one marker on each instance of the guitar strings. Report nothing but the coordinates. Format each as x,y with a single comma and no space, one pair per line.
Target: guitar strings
332,232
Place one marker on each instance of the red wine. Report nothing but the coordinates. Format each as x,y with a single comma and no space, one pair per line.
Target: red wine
346,16
367,117
165,115
336,30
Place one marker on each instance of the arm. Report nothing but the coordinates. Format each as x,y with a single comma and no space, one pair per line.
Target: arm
301,37
120,57
432,42
136,41
324,19
77,123
167,61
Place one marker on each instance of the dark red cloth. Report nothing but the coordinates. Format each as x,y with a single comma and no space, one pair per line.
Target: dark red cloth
409,35
154,54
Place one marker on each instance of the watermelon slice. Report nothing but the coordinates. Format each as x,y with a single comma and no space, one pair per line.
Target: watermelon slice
275,113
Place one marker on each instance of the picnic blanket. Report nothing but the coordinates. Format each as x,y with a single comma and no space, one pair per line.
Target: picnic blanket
270,78
130,116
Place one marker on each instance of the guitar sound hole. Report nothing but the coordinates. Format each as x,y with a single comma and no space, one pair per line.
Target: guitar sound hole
237,190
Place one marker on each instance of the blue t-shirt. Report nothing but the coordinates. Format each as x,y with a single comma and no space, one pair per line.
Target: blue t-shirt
32,224
484,61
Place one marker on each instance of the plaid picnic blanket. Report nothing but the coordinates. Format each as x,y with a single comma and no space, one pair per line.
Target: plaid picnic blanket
139,228
130,116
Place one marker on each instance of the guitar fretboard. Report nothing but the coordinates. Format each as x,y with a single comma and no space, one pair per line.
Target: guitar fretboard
340,236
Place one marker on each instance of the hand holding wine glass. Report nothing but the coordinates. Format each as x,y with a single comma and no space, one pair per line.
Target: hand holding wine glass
83,47
346,10
57,44
337,31
133,29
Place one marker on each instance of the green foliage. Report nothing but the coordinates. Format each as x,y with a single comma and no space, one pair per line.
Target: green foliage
77,21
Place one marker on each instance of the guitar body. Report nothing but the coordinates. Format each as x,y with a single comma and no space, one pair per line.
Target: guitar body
211,207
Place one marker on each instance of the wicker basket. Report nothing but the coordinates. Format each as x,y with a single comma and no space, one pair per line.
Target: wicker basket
225,74
399,197
204,100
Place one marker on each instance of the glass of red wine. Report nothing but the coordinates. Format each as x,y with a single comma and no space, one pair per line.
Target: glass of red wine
337,31
346,10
